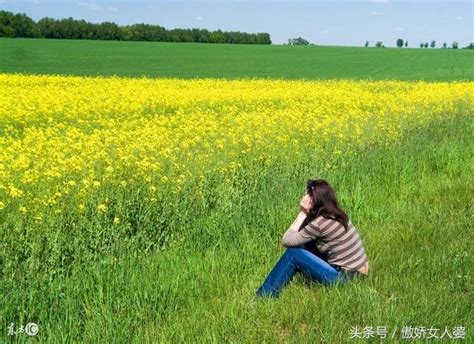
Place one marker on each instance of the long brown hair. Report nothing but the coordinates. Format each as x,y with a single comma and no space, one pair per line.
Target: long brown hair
324,202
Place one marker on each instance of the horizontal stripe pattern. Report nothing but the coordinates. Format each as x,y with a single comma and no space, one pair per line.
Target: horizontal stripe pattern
343,248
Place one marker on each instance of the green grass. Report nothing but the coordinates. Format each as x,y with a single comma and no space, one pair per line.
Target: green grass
412,204
192,60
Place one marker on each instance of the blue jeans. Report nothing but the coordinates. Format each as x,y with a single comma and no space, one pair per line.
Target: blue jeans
300,259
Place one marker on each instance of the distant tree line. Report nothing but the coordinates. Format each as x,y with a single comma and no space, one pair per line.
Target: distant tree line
454,45
400,43
20,25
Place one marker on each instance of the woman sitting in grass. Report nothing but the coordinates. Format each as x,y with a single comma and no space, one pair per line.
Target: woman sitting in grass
337,253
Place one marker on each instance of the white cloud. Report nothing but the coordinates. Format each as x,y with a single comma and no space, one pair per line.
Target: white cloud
375,13
199,18
93,7
398,28
90,6
36,2
458,18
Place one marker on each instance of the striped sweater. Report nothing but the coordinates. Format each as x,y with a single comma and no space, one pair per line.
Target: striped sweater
342,248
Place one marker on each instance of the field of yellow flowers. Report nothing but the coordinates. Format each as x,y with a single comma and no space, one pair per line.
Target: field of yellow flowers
76,148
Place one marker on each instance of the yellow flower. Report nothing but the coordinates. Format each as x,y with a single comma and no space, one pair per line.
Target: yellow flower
14,192
129,131
102,207
23,210
116,220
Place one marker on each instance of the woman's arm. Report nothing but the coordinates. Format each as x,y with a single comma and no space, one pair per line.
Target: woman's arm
295,226
293,237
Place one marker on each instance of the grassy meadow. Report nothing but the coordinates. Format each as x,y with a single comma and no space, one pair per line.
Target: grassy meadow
151,209
196,60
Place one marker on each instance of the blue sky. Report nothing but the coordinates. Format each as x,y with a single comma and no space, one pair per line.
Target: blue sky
337,22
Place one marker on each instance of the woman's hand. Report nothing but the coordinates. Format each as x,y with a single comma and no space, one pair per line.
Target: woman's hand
306,203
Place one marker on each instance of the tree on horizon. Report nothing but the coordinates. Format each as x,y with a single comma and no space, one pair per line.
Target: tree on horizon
20,25
298,41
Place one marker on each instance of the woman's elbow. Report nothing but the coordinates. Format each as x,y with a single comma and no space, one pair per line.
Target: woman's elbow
286,243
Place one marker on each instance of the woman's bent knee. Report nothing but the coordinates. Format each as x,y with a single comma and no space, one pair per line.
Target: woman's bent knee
294,251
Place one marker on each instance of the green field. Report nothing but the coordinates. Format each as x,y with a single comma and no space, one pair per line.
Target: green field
414,218
192,60
411,201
